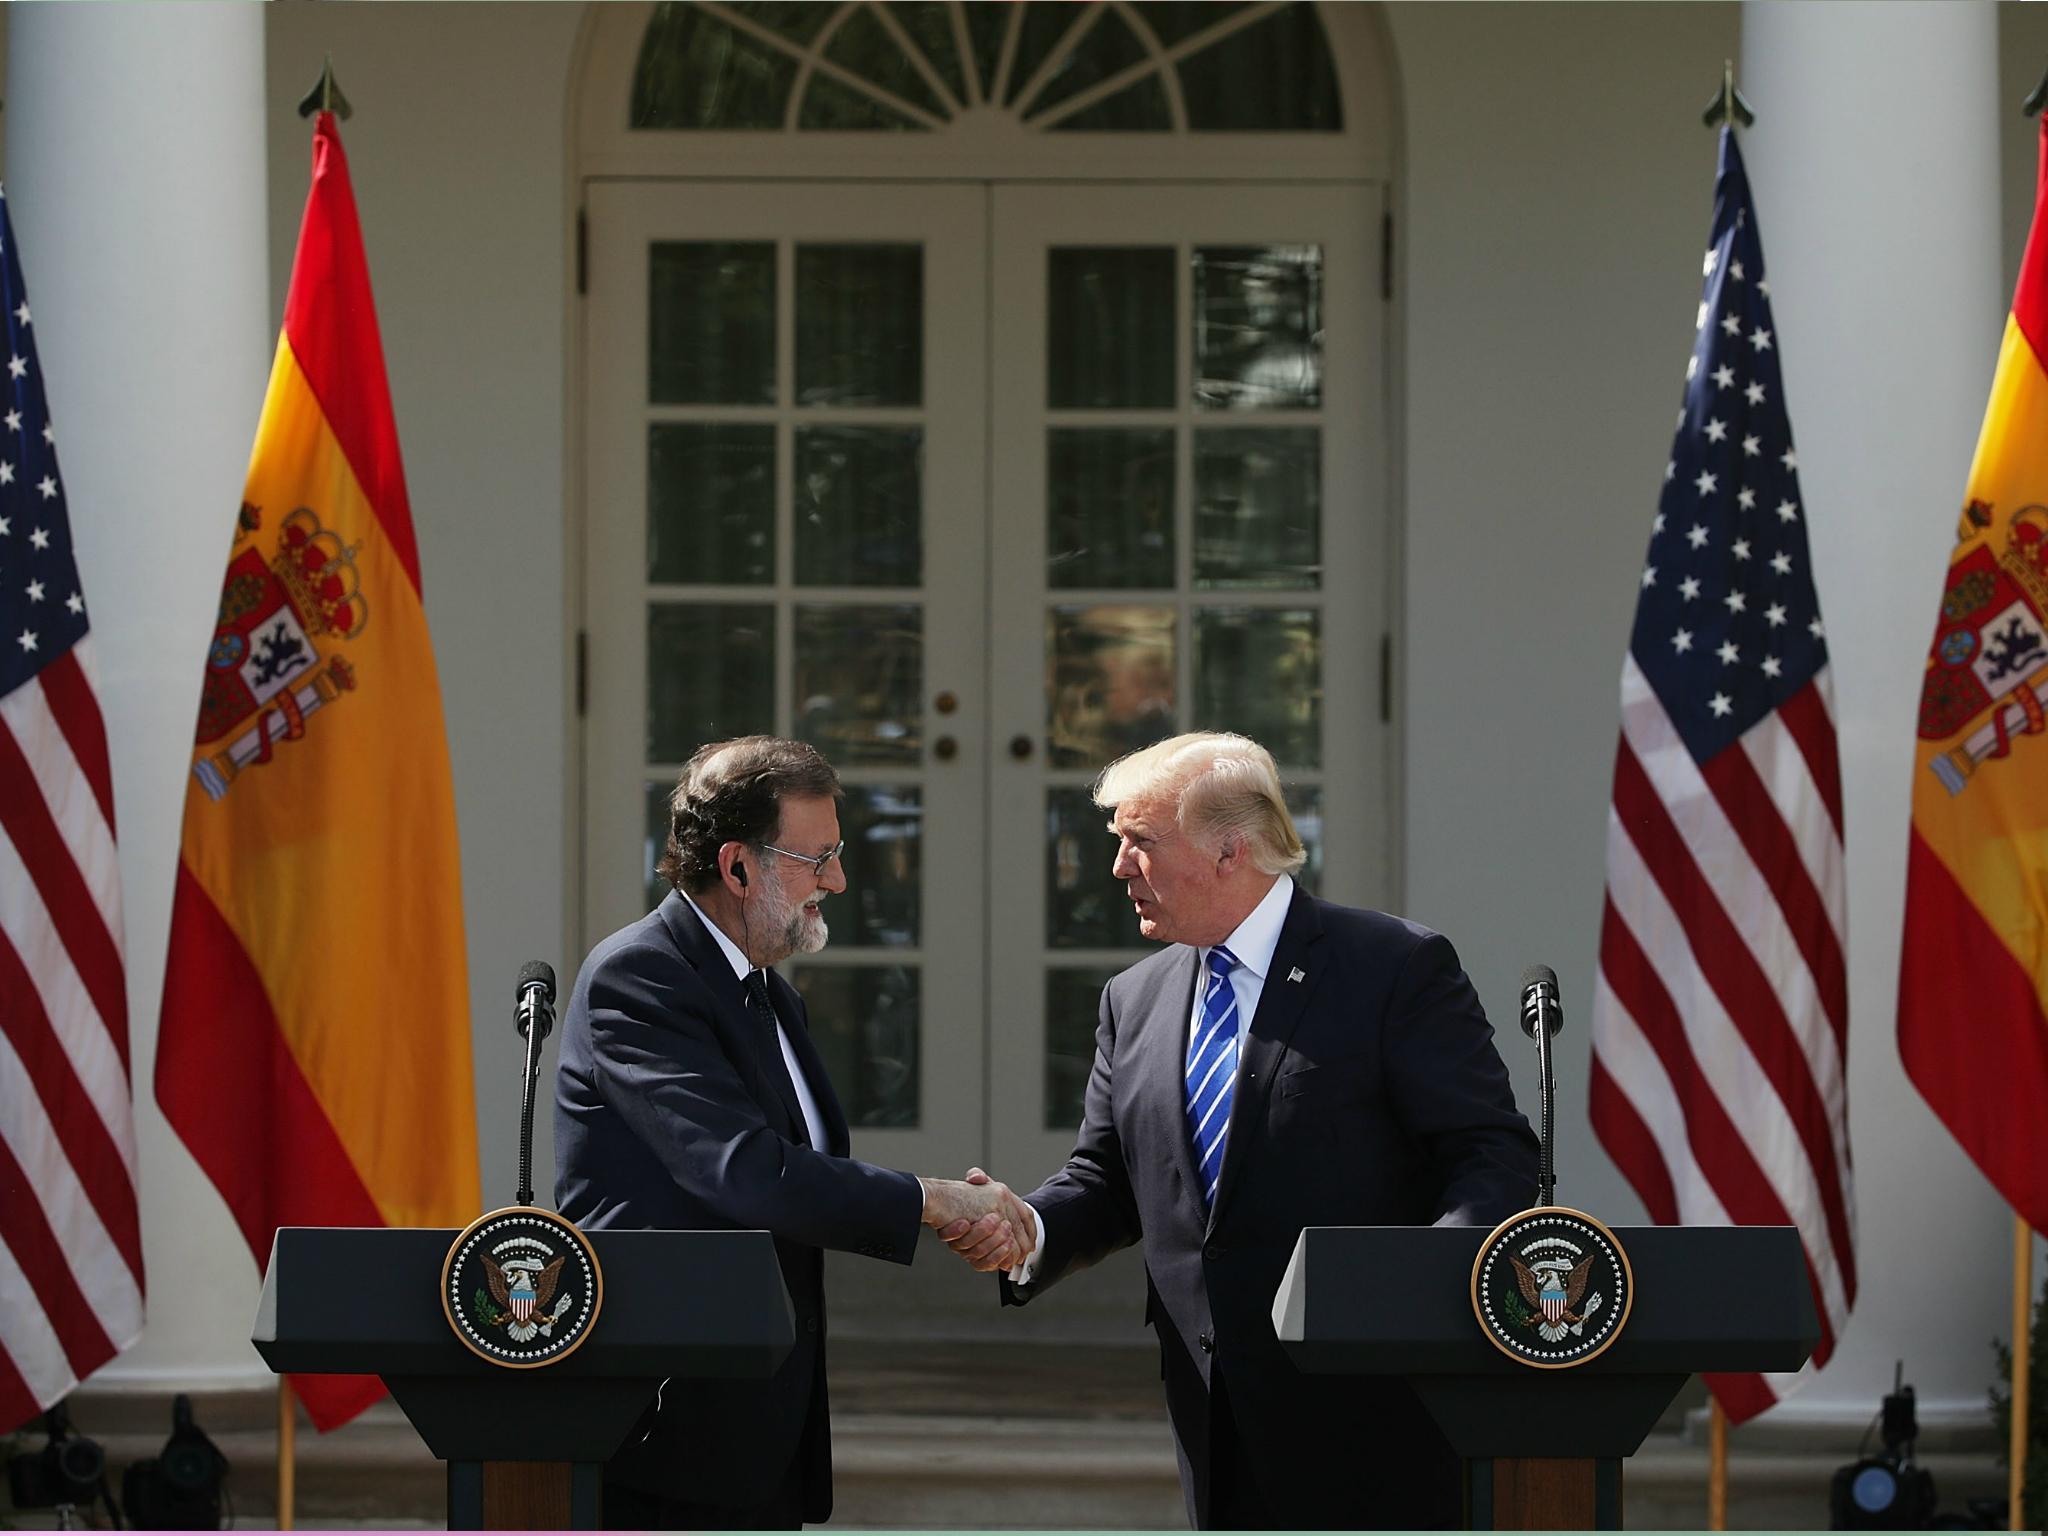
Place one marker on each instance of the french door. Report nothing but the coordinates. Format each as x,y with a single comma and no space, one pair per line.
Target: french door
977,486
787,532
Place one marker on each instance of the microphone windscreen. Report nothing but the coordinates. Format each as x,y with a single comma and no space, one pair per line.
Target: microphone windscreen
536,971
1539,985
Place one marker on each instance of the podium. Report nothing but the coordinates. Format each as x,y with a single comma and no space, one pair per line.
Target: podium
525,1447
1543,1448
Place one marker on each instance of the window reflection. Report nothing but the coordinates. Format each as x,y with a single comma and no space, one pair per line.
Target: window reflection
1110,689
1258,326
858,680
864,1022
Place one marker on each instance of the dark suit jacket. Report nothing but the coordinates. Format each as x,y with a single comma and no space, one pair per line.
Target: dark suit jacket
664,1118
1369,1093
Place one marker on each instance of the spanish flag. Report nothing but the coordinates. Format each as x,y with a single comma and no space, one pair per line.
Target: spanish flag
1973,984
314,1051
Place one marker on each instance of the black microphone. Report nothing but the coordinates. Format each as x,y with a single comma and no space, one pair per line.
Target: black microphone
536,997
1540,1006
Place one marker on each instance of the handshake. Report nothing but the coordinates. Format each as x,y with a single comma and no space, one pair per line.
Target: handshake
980,1219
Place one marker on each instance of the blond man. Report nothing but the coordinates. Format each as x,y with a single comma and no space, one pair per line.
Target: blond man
1283,1062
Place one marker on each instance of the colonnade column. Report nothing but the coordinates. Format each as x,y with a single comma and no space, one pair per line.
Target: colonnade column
136,178
1875,164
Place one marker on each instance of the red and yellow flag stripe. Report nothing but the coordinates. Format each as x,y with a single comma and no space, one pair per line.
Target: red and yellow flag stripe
315,1045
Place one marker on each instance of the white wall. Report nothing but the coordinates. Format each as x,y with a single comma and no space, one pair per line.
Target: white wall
1559,187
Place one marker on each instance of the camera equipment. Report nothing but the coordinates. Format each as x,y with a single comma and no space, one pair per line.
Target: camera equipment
1888,1492
179,1489
68,1471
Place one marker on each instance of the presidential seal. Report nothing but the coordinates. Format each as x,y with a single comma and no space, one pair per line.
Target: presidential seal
1552,1287
521,1287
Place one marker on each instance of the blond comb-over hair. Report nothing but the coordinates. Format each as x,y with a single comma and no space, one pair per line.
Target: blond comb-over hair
1224,789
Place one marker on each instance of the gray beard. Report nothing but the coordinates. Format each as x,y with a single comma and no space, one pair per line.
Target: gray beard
795,933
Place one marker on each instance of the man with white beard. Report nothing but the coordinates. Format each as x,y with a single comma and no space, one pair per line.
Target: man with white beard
689,1095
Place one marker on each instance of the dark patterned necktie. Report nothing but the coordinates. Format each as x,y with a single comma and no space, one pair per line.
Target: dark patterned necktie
768,1046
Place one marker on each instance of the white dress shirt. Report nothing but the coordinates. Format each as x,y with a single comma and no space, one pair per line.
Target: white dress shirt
1252,942
813,1126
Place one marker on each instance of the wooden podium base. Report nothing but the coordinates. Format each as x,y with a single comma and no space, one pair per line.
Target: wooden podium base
1543,1493
523,1495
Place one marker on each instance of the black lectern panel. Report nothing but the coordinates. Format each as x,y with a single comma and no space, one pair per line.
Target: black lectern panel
368,1300
1396,1301
678,1307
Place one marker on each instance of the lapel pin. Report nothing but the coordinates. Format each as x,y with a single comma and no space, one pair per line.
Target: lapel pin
1296,974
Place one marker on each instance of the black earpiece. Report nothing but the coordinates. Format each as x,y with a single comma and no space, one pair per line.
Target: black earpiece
739,872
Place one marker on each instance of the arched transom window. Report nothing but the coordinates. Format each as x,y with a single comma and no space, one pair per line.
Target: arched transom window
1100,66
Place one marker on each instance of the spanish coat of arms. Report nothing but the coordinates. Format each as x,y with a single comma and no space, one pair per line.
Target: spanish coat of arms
1987,670
275,657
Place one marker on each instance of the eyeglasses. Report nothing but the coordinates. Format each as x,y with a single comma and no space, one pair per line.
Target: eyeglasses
816,861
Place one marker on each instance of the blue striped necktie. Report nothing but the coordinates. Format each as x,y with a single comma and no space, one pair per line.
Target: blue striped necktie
1212,1071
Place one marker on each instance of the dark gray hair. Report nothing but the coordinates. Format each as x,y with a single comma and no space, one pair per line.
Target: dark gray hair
732,792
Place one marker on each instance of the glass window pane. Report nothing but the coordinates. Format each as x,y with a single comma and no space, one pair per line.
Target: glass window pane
1045,23
1275,74
1073,999
1176,20
1258,326
1109,326
695,71
1085,905
710,502
1260,671
1110,683
1106,48
930,25
828,104
858,515
864,1022
1109,493
797,20
1259,508
711,323
710,675
1305,805
1138,108
884,830
859,679
859,324
656,840
863,45
987,22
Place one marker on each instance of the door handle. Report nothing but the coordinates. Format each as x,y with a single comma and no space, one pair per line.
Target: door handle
945,749
1020,747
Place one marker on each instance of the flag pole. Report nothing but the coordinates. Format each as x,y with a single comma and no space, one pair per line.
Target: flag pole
1717,1465
1728,106
287,1450
2022,1363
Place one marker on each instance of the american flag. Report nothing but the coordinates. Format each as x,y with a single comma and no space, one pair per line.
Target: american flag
70,1238
1721,1014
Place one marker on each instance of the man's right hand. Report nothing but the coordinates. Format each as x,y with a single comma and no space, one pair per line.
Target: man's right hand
981,1219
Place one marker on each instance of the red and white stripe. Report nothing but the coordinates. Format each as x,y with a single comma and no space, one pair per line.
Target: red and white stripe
71,1282
1721,1010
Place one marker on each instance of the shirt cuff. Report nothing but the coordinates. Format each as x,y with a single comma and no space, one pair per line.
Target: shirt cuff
1025,1273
